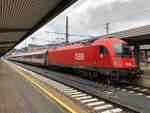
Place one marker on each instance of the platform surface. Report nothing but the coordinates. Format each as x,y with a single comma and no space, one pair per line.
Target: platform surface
19,96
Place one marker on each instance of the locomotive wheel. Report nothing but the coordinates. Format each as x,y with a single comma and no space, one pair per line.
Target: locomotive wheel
85,73
95,74
90,75
77,71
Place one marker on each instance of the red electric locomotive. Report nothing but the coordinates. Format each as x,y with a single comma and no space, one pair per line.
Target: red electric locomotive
111,57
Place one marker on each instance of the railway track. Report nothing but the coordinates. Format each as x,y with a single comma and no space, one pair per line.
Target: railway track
138,90
96,102
132,89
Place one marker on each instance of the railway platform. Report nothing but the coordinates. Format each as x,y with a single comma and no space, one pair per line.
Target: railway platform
19,95
145,78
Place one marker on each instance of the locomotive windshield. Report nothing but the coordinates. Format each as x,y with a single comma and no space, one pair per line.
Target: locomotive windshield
122,50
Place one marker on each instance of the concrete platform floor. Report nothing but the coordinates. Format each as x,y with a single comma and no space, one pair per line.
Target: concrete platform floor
17,95
145,78
146,68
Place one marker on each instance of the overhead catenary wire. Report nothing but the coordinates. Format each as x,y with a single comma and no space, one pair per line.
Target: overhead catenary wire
114,21
71,37
69,34
111,22
72,8
143,12
128,16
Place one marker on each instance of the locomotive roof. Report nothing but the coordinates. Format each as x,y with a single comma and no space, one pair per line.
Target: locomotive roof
93,43
73,46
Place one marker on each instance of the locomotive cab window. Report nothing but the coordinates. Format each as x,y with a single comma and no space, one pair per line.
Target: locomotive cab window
103,50
122,50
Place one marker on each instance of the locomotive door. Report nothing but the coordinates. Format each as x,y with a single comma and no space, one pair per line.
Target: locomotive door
96,55
104,57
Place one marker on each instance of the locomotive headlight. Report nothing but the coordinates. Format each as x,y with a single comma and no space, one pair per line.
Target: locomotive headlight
115,62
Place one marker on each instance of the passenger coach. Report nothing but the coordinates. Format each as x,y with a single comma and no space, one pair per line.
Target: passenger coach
35,57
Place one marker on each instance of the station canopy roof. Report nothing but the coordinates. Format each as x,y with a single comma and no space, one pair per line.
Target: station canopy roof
20,18
140,35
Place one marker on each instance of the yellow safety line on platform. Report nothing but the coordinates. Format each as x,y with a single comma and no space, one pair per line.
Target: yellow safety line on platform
48,93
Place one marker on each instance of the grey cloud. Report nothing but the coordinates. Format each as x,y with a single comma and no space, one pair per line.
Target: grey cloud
93,19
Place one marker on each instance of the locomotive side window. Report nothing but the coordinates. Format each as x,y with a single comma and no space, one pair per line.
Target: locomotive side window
40,56
103,50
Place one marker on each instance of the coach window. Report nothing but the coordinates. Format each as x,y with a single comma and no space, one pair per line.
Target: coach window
103,50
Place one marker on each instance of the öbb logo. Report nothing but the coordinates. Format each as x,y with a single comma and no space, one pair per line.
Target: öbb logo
79,56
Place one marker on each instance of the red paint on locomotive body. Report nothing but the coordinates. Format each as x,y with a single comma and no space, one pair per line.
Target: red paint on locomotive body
100,53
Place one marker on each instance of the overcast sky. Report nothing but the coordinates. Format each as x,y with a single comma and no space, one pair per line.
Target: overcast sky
88,17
